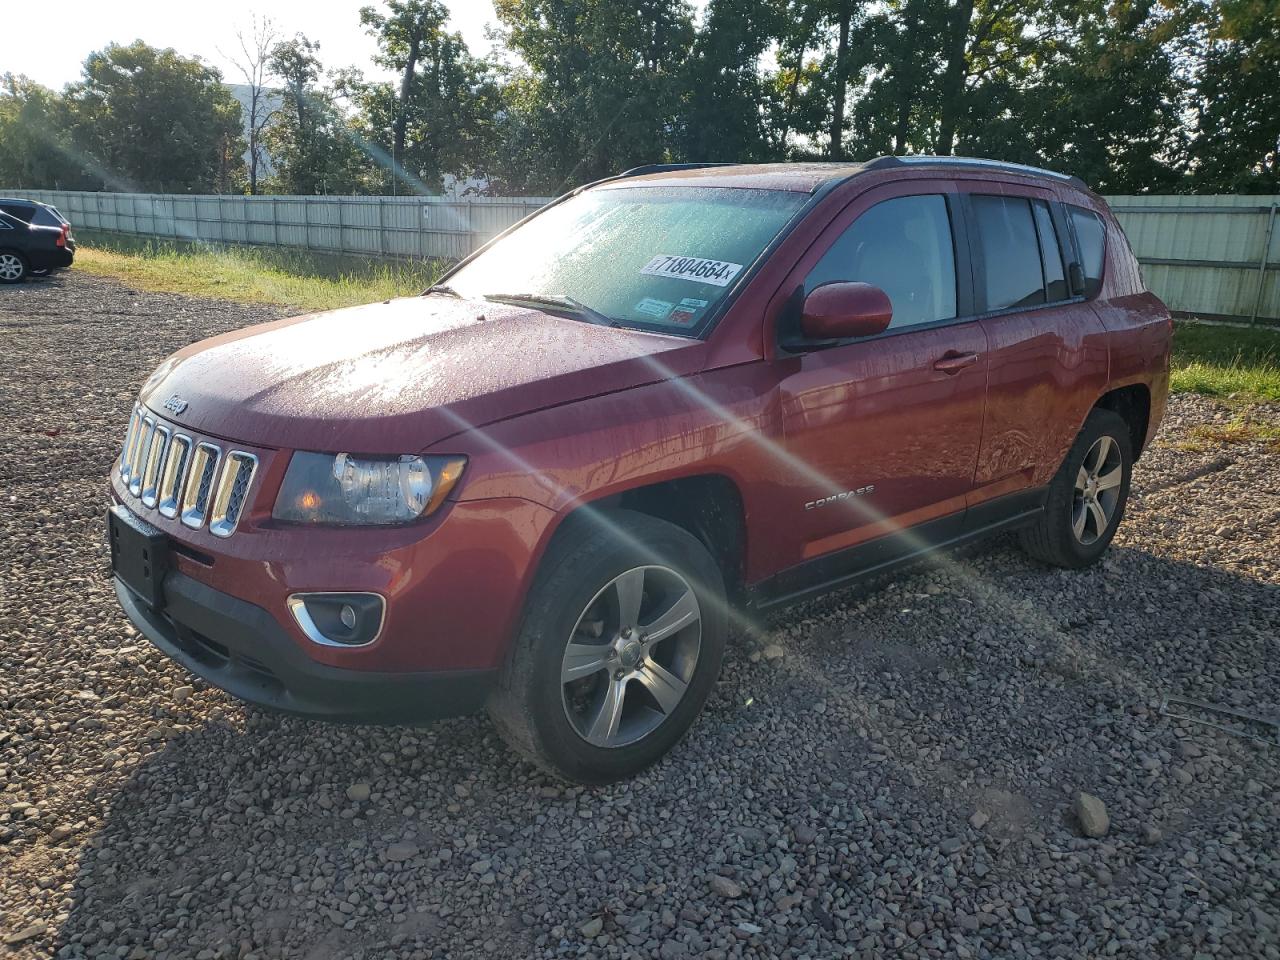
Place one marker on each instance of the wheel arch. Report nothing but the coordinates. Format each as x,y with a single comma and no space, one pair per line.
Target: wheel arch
709,506
1133,404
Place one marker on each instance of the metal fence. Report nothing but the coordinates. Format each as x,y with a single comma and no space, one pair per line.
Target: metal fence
1211,256
417,227
1208,256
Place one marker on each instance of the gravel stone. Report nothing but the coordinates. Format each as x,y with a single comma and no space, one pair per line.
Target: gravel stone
725,887
985,682
1091,814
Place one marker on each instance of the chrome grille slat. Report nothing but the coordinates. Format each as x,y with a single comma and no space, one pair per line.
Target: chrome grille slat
155,460
232,492
195,498
140,452
130,438
175,472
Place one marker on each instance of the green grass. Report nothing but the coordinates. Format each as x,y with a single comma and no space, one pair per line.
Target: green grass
1224,361
291,278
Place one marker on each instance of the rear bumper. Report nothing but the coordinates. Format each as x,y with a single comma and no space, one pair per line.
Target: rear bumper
242,649
51,259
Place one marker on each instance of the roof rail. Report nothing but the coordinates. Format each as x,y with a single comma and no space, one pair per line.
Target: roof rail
929,161
668,167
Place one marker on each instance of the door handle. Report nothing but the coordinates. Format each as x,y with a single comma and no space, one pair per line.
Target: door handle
952,363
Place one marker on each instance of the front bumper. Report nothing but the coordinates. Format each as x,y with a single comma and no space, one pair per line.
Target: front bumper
240,648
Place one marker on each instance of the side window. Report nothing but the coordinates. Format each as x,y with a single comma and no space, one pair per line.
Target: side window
904,247
4,224
19,210
1091,235
1050,253
1012,273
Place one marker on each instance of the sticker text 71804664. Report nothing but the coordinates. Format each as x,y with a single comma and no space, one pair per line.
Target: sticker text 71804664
697,269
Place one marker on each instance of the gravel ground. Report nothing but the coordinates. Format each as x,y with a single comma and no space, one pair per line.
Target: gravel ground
883,773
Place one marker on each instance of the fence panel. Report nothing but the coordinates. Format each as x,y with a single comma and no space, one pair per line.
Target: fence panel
1212,256
1215,256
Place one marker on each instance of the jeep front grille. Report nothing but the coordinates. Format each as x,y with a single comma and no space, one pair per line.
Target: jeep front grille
182,478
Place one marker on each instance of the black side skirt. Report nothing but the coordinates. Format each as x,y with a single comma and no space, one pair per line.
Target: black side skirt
884,554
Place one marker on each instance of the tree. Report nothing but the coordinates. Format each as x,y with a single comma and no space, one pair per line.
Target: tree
254,64
1237,145
1106,103
440,117
35,141
152,120
310,140
602,85
726,98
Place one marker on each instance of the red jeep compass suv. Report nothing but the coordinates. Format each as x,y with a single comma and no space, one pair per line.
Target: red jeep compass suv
543,485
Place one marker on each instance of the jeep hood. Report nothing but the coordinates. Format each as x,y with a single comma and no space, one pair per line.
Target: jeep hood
398,376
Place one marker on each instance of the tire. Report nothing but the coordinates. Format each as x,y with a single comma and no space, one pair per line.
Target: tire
14,267
581,594
1092,486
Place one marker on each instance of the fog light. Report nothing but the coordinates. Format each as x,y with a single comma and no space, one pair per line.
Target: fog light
339,619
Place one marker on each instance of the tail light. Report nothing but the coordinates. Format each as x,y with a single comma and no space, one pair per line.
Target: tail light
62,237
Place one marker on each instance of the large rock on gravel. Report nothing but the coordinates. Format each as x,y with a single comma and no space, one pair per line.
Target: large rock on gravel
1091,814
726,887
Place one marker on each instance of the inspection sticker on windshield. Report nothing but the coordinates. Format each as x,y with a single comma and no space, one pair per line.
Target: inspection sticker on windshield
717,272
654,308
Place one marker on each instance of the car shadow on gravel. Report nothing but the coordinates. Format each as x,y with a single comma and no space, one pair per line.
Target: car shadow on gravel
892,719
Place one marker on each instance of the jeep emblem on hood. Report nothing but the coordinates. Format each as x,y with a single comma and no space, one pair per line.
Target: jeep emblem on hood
175,404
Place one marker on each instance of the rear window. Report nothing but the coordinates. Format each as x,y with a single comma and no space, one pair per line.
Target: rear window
1012,271
47,217
1091,236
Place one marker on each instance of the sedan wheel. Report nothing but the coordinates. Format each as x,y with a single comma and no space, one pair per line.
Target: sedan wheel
12,268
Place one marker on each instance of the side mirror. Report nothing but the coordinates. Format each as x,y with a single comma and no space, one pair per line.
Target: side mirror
1075,276
838,311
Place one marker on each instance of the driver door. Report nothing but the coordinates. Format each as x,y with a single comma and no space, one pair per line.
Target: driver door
883,432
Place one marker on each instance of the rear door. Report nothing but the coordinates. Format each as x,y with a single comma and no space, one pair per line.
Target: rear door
1048,356
883,432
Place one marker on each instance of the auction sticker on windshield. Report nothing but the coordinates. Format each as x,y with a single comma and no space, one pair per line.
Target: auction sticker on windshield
717,272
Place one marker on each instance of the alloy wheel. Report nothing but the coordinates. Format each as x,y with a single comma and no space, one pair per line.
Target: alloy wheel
10,267
1097,490
631,657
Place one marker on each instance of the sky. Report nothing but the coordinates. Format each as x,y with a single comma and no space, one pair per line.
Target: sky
54,49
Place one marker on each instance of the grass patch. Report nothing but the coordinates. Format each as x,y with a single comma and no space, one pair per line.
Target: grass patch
1224,361
291,278
1244,429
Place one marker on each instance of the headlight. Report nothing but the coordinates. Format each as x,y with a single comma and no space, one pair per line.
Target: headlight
329,488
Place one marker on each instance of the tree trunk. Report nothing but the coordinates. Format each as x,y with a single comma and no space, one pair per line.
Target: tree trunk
836,149
793,89
907,77
255,94
406,88
953,77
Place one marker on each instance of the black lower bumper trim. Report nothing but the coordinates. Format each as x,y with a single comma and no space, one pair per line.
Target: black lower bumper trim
240,648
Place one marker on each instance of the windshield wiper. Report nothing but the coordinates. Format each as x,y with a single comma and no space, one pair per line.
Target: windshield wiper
559,302
443,288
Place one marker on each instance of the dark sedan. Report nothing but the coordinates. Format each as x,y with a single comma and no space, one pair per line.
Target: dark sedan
32,248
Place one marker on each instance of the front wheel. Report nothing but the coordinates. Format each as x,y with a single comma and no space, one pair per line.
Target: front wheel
1087,498
622,642
13,267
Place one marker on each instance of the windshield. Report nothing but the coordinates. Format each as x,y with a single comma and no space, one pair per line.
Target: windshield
658,258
